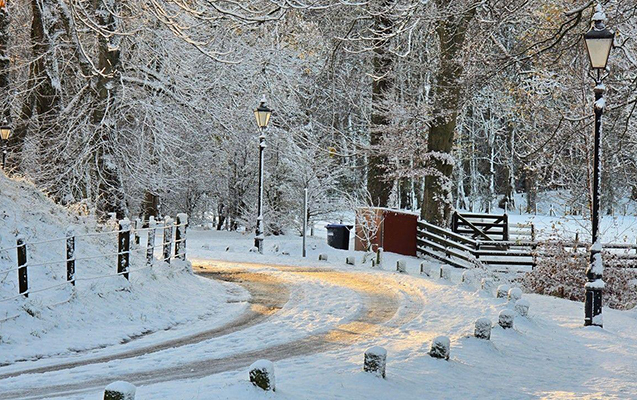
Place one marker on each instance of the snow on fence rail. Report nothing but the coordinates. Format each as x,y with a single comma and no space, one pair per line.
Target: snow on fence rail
123,251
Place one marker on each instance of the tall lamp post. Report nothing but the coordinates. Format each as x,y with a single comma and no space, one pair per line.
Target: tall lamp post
5,132
599,41
262,114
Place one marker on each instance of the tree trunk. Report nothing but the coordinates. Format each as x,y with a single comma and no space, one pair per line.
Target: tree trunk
380,189
437,198
110,190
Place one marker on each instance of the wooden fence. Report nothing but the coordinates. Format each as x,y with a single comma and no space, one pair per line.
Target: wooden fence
464,252
461,251
126,229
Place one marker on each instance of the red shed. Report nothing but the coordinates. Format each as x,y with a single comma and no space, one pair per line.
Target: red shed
393,230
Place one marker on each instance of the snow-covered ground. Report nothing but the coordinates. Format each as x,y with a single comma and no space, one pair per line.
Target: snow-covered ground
549,354
179,335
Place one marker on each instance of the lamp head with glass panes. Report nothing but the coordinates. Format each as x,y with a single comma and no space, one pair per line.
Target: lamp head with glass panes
599,40
5,130
262,114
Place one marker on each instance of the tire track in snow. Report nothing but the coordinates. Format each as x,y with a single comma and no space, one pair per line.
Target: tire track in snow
268,295
380,312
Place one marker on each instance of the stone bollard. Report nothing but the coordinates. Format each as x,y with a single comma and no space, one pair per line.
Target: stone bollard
375,361
483,329
401,266
425,268
351,260
322,257
445,272
505,319
515,294
502,292
522,307
262,375
440,347
120,390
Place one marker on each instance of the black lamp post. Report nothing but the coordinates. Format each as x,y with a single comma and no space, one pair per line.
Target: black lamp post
599,42
262,114
5,132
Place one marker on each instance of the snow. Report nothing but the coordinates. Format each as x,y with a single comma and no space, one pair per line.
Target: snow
596,284
522,307
600,104
543,357
126,389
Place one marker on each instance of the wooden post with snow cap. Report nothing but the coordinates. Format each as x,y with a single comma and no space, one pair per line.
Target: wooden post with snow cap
120,390
168,238
375,361
70,255
262,375
150,243
180,236
23,279
123,247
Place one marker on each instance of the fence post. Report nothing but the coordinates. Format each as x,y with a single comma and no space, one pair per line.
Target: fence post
138,225
533,232
168,238
123,248
150,243
70,255
180,236
505,228
23,280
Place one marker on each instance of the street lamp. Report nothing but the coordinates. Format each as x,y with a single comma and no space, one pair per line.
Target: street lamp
5,132
262,114
599,42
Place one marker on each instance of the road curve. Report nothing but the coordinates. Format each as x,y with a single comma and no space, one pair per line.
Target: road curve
381,301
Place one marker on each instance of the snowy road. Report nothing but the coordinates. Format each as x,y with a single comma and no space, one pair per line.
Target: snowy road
350,307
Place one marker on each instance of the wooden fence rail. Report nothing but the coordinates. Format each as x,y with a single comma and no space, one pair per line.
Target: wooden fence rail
465,252
123,251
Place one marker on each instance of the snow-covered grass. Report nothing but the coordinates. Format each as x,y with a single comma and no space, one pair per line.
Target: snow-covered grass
57,322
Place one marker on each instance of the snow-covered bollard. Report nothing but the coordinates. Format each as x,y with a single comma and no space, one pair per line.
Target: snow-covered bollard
487,284
468,277
505,319
522,307
322,257
375,361
401,266
514,294
483,329
502,292
379,257
445,272
120,390
262,375
351,260
425,268
440,347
